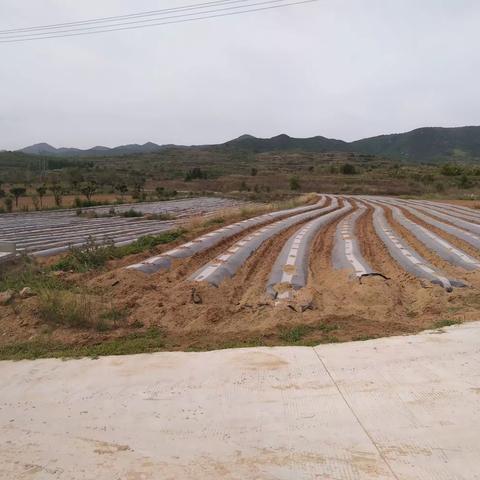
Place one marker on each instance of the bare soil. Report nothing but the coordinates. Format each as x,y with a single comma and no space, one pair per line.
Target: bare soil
68,201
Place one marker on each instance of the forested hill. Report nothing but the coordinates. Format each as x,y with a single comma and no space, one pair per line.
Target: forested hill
429,144
425,144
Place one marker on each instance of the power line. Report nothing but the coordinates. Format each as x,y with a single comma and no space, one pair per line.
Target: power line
144,21
210,14
149,13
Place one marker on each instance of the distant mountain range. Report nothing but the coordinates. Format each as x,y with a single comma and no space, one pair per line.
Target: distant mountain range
47,149
420,145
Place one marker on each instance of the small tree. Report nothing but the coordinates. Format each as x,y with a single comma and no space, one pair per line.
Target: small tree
294,183
253,172
57,192
17,192
88,189
41,192
122,189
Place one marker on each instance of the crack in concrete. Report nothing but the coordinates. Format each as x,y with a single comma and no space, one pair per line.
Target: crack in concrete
377,448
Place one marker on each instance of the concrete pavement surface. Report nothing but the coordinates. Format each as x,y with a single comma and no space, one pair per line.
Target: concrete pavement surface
395,408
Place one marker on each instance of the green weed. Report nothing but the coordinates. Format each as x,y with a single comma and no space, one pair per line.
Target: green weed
294,334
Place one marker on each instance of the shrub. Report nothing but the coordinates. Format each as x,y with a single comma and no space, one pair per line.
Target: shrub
79,203
465,182
87,257
195,173
95,255
451,170
294,183
131,213
348,169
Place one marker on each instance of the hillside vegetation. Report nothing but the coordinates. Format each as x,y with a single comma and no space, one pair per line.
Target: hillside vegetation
431,144
32,182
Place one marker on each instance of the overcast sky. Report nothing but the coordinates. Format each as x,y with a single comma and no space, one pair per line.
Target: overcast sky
343,69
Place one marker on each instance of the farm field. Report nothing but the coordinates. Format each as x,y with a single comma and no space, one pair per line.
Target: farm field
336,268
53,232
240,240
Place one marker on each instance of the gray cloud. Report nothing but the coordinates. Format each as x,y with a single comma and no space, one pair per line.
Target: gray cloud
343,69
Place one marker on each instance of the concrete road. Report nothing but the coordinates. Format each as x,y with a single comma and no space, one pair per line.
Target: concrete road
396,408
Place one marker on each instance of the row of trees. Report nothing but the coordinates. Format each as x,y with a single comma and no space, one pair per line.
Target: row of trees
58,191
87,189
15,193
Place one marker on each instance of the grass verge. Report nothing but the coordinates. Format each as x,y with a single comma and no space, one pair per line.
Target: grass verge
148,341
448,322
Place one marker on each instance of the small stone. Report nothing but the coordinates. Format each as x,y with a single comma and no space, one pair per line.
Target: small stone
26,292
6,296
